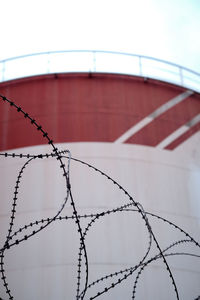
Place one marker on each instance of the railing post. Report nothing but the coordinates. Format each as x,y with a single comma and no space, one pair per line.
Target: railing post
48,62
140,65
181,76
3,71
94,61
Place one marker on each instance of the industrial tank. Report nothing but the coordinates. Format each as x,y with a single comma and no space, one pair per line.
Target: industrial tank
99,187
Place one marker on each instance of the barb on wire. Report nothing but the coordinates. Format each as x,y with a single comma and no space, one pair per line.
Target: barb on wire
83,284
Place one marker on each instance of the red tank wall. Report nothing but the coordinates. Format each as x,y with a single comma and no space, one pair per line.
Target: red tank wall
100,108
97,107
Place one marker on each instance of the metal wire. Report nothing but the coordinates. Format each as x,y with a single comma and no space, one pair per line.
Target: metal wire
21,235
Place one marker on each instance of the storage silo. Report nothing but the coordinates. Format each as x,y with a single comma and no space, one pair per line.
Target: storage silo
124,222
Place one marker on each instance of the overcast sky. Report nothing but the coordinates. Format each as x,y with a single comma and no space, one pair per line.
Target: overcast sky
165,29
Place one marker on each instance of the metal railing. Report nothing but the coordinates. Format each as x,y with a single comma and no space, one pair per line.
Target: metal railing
97,61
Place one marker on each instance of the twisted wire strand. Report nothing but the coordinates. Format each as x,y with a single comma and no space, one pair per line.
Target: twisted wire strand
83,274
144,217
68,188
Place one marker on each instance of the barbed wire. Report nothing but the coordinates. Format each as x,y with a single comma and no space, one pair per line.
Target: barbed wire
14,238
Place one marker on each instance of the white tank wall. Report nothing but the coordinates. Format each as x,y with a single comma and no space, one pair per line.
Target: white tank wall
164,182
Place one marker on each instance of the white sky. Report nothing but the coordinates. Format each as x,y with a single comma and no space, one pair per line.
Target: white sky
165,29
